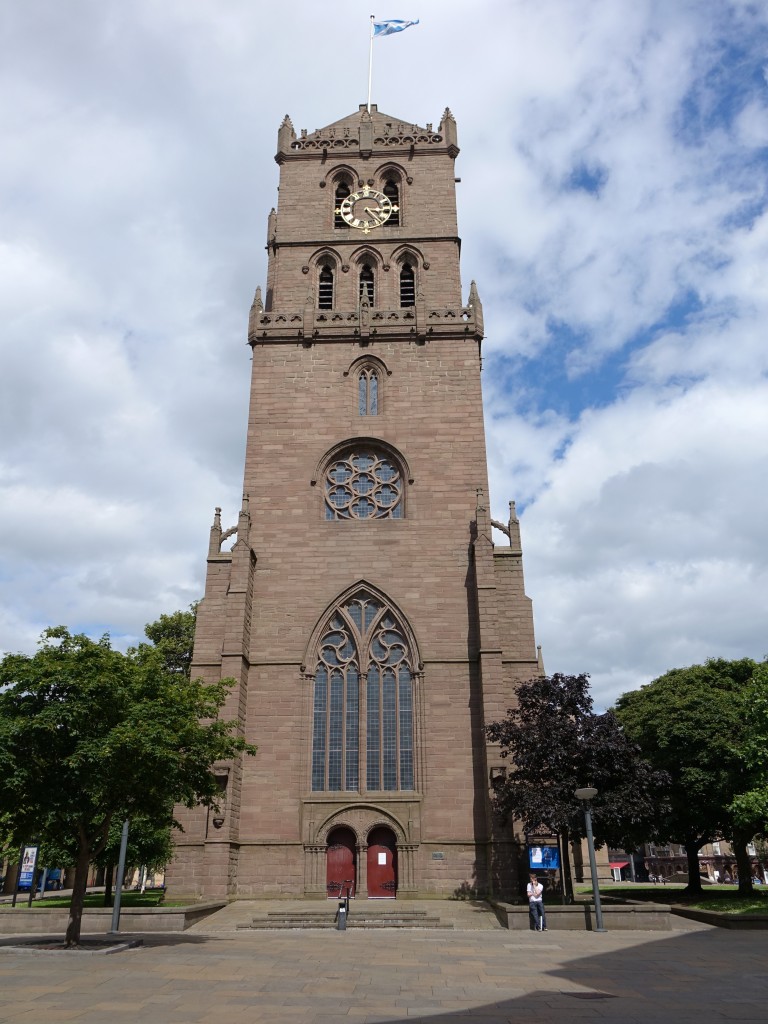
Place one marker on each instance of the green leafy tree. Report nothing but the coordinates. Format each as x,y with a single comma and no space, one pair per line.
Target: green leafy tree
90,736
690,723
749,808
556,743
174,637
151,843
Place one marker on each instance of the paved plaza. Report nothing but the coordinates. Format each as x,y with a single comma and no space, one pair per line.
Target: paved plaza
476,972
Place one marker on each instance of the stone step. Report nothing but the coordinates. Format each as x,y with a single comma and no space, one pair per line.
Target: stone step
353,911
358,918
327,923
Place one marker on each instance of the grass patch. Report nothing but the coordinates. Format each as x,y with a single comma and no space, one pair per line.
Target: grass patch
94,900
723,899
730,904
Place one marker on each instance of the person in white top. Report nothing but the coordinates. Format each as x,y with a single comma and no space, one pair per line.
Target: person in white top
536,904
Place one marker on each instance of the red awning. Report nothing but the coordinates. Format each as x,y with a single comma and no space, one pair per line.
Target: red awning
618,864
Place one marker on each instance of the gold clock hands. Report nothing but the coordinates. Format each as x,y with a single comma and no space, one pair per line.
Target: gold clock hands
374,215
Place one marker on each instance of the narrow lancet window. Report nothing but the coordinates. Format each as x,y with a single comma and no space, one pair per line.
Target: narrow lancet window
368,392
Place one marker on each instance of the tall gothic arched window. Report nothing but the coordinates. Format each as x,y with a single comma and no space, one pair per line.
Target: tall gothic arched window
367,292
368,389
363,733
325,287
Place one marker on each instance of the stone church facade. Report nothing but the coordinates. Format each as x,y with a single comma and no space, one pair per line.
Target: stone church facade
369,621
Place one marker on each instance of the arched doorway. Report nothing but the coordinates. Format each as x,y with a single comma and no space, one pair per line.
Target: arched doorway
382,864
340,866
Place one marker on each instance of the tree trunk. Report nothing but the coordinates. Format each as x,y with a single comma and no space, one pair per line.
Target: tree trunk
565,842
692,846
72,937
109,878
743,863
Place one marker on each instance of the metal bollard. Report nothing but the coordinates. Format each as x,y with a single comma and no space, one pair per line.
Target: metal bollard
342,917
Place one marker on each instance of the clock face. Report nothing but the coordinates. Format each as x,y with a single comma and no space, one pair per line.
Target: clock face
366,209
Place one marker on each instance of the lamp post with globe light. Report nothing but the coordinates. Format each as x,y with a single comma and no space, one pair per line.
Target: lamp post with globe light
587,794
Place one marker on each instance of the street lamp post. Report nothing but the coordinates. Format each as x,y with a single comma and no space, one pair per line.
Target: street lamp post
586,794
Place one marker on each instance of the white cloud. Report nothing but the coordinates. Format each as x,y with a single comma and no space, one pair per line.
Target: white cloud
646,546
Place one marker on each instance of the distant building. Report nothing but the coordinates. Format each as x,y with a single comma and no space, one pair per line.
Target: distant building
717,862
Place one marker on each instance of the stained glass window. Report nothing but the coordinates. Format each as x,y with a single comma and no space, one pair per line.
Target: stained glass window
363,641
363,485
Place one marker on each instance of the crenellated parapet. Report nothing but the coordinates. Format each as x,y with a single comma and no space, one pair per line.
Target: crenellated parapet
366,133
309,324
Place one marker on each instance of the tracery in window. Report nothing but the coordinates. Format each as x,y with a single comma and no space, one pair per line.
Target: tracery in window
367,293
325,287
342,191
407,286
392,191
364,484
368,391
363,640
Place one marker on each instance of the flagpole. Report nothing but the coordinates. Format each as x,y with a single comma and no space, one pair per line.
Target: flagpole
370,64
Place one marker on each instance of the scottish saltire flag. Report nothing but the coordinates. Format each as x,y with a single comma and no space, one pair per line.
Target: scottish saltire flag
387,28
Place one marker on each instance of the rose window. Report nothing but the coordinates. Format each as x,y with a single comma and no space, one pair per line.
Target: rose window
364,485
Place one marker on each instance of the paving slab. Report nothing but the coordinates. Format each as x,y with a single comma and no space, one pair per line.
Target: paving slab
483,975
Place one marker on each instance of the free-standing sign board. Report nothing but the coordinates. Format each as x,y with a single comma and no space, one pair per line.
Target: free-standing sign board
26,876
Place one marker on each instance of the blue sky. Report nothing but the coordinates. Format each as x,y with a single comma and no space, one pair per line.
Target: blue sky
621,265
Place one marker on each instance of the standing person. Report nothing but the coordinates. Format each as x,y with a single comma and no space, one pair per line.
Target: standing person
535,892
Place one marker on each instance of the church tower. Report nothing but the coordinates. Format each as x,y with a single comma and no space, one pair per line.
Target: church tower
370,624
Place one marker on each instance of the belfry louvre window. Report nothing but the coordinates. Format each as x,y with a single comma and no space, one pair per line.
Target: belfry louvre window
365,484
392,192
368,391
370,723
407,286
325,288
367,293
342,191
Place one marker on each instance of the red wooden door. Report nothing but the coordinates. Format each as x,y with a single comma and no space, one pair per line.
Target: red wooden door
340,862
382,864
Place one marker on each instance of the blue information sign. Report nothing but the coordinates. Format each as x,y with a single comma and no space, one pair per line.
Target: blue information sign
544,858
28,864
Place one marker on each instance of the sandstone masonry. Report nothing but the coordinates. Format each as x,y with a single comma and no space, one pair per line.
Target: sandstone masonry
370,623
